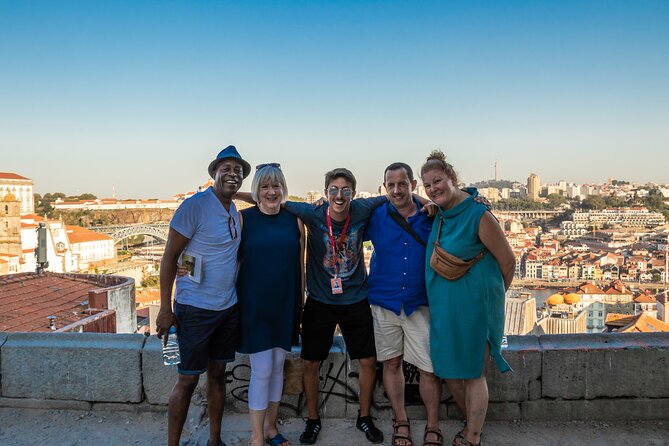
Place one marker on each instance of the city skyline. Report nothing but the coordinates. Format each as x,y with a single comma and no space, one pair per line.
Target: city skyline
140,96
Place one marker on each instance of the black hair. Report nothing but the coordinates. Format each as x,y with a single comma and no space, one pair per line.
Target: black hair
398,166
340,172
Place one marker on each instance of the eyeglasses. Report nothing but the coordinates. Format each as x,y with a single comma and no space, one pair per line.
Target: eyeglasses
275,165
232,227
346,192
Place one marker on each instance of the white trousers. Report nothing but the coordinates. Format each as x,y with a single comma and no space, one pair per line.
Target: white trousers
266,378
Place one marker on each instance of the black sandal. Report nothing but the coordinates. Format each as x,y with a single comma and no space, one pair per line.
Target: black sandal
437,433
397,436
460,440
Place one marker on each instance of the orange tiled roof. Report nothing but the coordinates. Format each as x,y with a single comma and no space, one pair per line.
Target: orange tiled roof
618,319
645,299
617,287
32,217
589,288
144,297
645,324
27,300
11,176
77,234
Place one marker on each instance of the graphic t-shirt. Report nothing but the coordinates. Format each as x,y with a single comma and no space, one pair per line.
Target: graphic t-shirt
320,257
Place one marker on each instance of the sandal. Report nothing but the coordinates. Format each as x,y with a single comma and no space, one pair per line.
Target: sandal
437,433
277,440
460,440
403,439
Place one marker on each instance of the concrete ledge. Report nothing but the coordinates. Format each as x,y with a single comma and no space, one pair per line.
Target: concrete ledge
158,379
558,378
524,383
32,403
612,365
73,366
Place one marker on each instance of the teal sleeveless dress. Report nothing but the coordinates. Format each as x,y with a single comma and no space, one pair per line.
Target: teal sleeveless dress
468,312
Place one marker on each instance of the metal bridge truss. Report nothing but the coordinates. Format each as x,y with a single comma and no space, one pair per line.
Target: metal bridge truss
119,233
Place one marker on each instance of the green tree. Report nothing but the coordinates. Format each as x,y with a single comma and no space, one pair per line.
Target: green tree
654,202
595,202
555,200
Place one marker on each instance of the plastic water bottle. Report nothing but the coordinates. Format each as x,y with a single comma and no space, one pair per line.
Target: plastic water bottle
171,355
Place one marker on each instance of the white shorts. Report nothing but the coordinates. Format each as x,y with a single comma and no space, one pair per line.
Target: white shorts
403,335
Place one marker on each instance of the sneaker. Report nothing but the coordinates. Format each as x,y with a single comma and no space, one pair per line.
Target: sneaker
311,430
366,424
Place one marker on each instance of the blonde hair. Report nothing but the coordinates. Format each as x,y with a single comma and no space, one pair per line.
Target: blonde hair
265,175
436,160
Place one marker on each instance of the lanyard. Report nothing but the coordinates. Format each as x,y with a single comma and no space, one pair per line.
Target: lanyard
337,246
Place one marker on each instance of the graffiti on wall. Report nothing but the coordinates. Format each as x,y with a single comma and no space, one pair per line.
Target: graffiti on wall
337,381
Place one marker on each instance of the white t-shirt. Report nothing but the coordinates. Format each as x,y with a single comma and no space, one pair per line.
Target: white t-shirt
204,220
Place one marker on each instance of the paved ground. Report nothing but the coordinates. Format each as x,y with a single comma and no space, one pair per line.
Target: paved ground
28,427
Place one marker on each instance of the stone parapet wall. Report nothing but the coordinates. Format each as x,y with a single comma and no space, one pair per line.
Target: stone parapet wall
556,377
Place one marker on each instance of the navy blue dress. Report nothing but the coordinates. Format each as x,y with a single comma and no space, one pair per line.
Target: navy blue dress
269,285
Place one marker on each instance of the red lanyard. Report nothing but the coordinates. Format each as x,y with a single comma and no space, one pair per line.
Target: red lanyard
337,246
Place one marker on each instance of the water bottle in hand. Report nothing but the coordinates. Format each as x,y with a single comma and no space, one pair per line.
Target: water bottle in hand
171,354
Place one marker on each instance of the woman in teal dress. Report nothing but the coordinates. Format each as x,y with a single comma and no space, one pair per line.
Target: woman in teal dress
467,314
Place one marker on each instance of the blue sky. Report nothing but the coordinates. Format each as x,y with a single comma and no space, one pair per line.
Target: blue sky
142,95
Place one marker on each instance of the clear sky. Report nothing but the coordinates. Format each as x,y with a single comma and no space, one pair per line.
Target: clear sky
142,95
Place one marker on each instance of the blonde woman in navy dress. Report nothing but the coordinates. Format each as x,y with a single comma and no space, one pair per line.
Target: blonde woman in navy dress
270,290
467,314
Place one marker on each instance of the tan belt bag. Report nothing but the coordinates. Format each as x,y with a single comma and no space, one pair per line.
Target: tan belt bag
447,265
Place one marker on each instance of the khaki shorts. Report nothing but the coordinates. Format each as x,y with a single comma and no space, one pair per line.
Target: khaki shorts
403,335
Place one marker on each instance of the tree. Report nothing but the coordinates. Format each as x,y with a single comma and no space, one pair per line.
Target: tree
42,206
595,202
555,200
654,202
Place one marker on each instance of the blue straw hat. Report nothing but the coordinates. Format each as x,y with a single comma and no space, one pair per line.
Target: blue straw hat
229,152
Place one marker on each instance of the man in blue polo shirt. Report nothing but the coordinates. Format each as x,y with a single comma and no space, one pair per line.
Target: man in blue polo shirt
399,232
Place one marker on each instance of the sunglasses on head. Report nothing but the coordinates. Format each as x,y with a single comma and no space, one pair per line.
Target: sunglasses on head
276,165
333,191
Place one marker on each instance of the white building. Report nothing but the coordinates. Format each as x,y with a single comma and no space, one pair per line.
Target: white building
109,204
69,248
90,246
20,187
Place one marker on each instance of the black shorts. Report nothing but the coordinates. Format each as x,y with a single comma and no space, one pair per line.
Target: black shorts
318,326
205,335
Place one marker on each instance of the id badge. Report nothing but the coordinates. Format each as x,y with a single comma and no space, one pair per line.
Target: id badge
336,285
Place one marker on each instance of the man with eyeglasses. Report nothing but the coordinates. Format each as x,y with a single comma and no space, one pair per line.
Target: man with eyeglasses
205,309
337,293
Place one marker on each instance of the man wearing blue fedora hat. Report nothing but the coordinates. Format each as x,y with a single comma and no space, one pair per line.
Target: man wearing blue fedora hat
206,227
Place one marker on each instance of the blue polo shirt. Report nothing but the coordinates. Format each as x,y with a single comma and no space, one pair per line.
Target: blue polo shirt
397,268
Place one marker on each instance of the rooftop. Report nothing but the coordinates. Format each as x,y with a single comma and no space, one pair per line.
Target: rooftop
27,300
12,176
